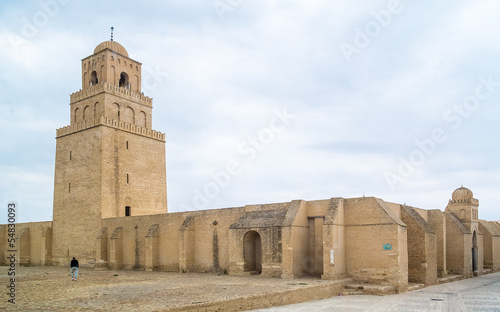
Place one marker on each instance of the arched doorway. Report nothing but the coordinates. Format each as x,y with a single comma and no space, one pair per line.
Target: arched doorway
252,252
474,254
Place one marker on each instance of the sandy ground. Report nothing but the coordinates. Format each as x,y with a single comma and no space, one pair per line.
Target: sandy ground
51,289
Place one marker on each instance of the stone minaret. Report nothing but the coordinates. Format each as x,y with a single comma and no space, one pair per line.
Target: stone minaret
109,161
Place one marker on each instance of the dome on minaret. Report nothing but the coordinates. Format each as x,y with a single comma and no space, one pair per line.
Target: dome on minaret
113,46
461,194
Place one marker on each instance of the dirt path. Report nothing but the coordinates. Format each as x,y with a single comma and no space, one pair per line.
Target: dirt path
51,289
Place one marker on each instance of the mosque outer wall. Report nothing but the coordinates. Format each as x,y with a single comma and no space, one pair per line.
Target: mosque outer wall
365,238
296,238
33,243
376,243
491,243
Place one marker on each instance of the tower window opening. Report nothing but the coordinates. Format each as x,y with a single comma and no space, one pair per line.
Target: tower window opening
69,187
69,155
127,211
127,144
127,179
93,78
124,82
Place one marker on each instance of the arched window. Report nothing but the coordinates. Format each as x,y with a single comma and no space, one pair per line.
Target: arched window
86,113
96,110
112,75
141,119
136,83
124,83
102,73
115,111
77,115
129,115
93,78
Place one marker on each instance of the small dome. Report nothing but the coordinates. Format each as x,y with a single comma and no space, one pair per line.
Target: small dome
113,46
461,194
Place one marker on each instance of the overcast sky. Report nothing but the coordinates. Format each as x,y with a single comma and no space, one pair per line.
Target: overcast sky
270,101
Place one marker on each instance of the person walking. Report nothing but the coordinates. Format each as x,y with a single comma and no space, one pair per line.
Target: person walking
74,269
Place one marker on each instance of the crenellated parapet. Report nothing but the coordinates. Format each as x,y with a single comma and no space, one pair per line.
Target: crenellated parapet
112,89
110,122
471,201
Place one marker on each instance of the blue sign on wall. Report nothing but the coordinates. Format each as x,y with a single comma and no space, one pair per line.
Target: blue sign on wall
387,247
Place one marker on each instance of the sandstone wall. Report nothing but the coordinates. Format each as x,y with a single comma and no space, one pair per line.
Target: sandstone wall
77,195
187,241
422,251
437,221
376,247
458,247
133,174
334,243
33,242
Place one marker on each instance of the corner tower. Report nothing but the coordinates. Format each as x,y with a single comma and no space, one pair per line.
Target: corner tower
109,161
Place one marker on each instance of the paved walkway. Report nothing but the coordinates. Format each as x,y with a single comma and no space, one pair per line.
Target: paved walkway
475,294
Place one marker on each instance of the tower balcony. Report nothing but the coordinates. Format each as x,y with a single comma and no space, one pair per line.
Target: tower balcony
111,89
110,122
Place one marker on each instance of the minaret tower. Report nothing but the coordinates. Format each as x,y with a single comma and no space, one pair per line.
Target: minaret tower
109,161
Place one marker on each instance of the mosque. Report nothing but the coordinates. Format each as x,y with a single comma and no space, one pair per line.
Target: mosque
110,209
